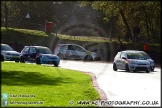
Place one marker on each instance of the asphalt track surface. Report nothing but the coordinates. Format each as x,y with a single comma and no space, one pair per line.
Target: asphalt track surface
121,88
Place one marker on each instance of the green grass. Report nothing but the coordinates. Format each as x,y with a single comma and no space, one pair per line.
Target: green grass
25,31
52,85
86,38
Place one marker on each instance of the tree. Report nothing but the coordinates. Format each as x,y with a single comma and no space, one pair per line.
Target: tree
123,15
145,13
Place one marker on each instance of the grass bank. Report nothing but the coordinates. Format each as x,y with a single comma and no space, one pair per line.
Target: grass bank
25,36
52,86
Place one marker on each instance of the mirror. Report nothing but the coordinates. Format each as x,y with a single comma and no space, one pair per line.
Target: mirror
123,58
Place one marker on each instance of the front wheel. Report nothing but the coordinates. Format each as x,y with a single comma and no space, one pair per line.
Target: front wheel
55,64
127,68
148,70
37,60
22,60
88,57
152,69
114,67
60,56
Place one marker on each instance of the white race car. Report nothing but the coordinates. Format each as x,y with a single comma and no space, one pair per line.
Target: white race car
8,54
133,60
74,51
146,56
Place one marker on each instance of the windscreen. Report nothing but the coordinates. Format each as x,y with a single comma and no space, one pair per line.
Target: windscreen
136,56
6,48
145,55
44,50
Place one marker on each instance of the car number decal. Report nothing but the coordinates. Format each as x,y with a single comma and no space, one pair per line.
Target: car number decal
89,52
15,56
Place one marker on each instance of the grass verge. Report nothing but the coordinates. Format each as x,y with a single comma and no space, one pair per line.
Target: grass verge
52,86
26,36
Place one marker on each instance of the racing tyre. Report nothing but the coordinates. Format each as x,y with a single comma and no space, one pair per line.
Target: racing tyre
2,58
55,64
37,61
152,69
147,71
22,60
127,68
114,67
88,57
60,56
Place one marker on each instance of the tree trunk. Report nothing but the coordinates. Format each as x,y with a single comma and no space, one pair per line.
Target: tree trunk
125,22
147,26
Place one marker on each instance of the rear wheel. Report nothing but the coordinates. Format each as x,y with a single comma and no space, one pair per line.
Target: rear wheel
37,60
114,67
22,60
2,58
127,68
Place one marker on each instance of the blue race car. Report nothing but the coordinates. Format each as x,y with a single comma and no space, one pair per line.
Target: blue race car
39,55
